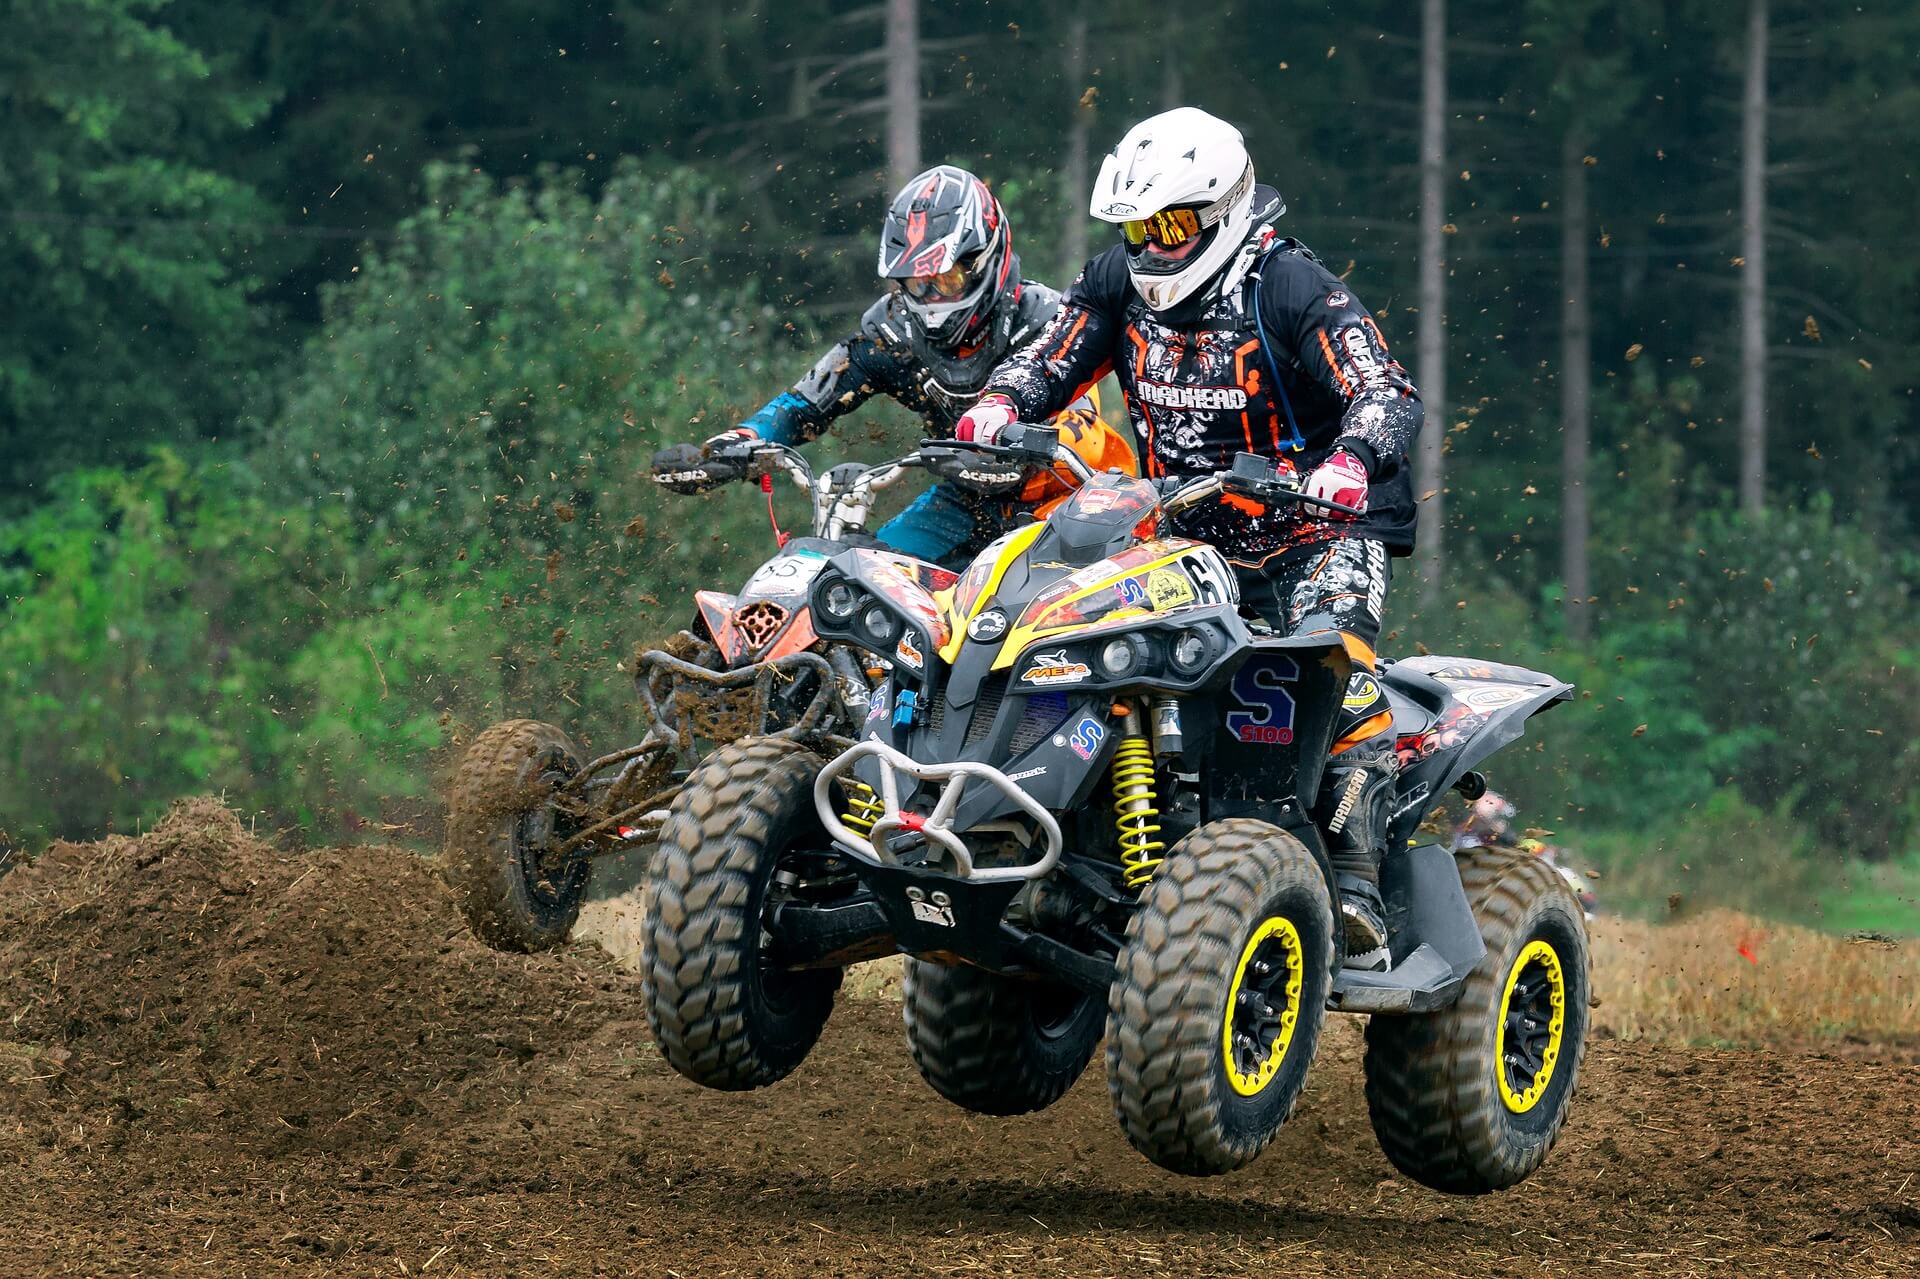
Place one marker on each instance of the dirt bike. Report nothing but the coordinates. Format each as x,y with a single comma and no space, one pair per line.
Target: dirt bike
1083,803
527,814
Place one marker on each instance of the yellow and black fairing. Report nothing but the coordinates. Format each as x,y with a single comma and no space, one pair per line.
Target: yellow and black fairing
1014,677
1045,662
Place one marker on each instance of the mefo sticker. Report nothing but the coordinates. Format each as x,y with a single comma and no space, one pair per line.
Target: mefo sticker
1049,669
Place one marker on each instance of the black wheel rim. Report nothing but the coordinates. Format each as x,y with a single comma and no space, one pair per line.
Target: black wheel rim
1054,1009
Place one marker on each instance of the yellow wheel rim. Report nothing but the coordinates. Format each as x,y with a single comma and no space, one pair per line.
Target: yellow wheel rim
1263,1006
1533,1005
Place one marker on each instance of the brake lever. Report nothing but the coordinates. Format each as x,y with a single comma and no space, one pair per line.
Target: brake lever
970,446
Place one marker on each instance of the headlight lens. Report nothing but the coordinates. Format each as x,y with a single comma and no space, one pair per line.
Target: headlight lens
879,624
840,601
1117,658
1190,650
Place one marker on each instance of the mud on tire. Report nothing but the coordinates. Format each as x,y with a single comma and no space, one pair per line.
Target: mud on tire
1237,903
721,1015
1449,1112
498,822
998,1045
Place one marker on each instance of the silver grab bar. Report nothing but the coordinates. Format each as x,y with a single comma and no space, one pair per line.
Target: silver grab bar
937,826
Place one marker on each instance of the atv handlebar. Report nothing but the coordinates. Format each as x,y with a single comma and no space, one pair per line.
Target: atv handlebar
841,496
1026,442
1252,476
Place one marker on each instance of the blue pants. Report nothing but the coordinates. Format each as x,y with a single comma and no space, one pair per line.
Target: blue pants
947,525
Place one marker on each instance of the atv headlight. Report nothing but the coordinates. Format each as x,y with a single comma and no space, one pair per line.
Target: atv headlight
1190,650
840,601
880,625
1118,658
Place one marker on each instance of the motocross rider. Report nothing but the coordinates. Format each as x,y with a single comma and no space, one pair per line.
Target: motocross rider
955,308
1227,338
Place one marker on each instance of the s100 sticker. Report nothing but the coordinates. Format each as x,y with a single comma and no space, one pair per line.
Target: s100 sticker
1265,717
1086,738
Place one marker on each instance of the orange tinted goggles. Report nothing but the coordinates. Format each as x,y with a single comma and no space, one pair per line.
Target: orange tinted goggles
1168,228
950,283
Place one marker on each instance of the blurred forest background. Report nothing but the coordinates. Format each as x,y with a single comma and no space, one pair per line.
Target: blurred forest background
338,336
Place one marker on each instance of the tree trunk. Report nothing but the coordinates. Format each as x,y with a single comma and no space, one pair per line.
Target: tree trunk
1073,178
1753,280
903,90
1430,473
1173,86
1576,384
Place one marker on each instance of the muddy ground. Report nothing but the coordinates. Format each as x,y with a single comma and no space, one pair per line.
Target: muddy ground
220,1060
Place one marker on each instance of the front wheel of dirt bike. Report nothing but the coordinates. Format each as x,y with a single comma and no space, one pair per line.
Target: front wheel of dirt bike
1469,1099
1222,990
723,1015
998,1045
503,826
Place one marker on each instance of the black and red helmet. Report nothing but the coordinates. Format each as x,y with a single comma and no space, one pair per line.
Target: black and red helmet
947,246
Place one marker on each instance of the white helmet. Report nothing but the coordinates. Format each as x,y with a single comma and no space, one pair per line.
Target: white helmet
1180,187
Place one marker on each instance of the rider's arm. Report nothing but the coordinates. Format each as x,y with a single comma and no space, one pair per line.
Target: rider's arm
872,361
1309,311
843,379
1075,349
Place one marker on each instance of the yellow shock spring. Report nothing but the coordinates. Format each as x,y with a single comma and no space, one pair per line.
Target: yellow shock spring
1134,811
863,807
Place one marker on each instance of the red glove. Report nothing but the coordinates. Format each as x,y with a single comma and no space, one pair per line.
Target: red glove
983,423
1340,479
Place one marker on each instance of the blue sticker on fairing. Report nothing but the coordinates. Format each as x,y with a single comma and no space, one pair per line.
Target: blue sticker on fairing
1265,717
1086,738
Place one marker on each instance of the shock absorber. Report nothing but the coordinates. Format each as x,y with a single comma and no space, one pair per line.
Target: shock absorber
1133,805
863,806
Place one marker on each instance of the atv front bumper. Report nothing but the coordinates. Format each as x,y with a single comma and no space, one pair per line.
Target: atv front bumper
896,830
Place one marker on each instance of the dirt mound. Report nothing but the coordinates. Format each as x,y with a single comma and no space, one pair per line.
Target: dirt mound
197,982
219,1059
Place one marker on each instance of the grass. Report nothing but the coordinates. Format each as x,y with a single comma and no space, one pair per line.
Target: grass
1882,898
1728,978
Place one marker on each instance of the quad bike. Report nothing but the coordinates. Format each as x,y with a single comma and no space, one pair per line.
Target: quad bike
1082,803
527,814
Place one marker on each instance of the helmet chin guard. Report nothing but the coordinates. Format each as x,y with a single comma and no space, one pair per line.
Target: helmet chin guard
1179,159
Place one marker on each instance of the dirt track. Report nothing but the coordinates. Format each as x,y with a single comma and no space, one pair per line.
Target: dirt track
221,1060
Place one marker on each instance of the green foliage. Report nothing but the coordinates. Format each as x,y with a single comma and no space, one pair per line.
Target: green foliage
143,616
424,522
126,283
490,384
